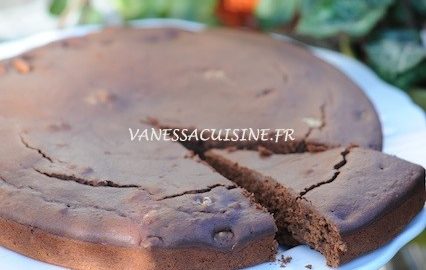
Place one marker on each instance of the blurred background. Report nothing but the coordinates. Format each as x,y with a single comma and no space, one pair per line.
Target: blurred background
387,35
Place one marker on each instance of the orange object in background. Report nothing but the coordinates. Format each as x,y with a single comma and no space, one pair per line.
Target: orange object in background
237,12
245,6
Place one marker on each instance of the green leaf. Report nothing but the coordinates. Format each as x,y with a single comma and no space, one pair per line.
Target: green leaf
400,14
133,9
326,18
160,8
195,10
419,97
272,13
89,15
419,6
398,57
56,7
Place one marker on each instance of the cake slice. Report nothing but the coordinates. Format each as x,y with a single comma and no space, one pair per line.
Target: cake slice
343,202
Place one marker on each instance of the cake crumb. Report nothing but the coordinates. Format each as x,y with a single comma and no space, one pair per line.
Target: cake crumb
263,151
57,127
190,154
308,266
73,42
265,92
215,74
285,260
205,201
152,121
231,149
313,122
101,96
21,65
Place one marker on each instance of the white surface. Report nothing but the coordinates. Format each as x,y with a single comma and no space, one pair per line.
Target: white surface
23,17
404,127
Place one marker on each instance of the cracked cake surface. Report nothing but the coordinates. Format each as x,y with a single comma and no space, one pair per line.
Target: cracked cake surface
76,191
343,202
198,80
150,208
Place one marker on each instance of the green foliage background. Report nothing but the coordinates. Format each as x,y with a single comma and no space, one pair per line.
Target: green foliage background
382,33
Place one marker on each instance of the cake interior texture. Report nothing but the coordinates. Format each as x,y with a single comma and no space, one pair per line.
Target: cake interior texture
296,221
300,215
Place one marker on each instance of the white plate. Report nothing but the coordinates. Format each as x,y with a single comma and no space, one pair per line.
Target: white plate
403,123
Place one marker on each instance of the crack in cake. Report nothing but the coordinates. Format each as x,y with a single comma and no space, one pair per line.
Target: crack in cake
343,202
85,204
76,192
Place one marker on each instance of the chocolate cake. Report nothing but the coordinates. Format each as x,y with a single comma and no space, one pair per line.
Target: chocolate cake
343,202
76,191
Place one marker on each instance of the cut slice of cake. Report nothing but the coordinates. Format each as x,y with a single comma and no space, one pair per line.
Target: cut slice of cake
342,202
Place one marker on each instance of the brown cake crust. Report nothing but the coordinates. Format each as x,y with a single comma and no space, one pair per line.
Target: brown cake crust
343,202
77,254
385,227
